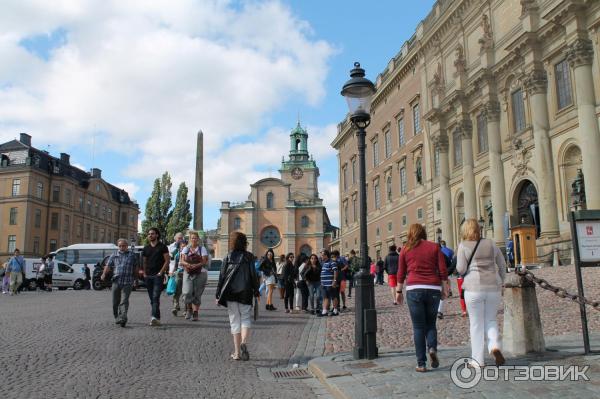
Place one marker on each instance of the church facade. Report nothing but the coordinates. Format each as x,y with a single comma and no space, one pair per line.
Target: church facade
284,213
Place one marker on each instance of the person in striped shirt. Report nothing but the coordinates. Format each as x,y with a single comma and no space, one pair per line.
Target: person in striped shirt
329,273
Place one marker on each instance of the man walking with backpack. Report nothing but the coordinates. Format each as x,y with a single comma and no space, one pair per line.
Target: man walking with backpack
391,268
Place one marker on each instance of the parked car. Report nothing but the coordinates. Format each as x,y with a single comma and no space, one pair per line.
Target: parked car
97,283
63,276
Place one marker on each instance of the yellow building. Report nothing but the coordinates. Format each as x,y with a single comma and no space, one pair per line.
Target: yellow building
508,95
46,203
285,213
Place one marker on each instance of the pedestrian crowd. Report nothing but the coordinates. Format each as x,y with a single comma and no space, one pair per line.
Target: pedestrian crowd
13,271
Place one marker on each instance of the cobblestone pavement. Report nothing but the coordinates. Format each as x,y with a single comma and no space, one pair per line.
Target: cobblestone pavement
66,345
394,328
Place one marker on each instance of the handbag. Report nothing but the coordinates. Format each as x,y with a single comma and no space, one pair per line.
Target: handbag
462,292
171,285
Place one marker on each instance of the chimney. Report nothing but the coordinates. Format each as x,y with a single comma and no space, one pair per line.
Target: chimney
65,158
25,139
96,173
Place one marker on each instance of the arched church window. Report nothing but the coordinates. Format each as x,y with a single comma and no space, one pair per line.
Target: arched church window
297,144
269,200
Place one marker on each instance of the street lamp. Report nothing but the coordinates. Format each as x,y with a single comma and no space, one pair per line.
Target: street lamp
358,92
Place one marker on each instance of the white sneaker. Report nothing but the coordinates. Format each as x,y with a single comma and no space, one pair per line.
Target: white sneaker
154,322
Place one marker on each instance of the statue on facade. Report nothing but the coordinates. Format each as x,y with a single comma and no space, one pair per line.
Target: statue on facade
419,172
487,40
490,214
578,190
460,62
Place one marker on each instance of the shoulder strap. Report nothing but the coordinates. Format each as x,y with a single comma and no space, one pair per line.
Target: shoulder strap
471,258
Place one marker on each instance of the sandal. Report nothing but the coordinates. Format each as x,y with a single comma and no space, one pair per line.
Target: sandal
235,357
245,354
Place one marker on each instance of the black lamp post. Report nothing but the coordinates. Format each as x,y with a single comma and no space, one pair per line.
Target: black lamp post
358,92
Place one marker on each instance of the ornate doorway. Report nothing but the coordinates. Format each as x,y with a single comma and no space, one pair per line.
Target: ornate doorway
528,210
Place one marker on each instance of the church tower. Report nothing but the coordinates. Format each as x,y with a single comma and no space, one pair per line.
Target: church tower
300,170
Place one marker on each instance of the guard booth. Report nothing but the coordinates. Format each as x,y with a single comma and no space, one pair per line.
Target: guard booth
525,251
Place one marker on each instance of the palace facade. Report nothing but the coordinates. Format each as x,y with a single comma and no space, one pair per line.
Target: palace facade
487,112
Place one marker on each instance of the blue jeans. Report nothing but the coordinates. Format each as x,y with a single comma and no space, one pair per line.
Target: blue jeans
154,285
423,306
314,290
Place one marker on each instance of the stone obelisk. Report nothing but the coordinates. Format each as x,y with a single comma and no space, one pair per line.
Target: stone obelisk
198,201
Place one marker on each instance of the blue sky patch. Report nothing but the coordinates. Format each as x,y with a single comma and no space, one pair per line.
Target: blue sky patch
44,44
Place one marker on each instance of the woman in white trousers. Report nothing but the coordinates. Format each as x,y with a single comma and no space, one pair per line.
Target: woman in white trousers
483,279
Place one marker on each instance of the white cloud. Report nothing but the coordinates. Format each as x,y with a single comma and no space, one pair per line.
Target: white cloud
146,76
130,187
331,198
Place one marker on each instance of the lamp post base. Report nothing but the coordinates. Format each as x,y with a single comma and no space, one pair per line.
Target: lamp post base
365,320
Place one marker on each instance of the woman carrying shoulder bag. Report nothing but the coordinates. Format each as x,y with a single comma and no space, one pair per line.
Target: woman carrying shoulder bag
237,287
482,266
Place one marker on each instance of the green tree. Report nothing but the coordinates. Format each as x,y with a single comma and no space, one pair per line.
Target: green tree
157,207
181,216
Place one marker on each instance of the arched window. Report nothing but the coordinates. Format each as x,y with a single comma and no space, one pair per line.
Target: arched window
304,221
518,111
269,200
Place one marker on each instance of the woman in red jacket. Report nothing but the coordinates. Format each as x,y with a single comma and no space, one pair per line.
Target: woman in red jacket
423,267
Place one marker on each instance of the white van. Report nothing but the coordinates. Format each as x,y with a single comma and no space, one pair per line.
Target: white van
63,276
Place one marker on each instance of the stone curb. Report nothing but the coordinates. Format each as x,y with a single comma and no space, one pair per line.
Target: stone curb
329,374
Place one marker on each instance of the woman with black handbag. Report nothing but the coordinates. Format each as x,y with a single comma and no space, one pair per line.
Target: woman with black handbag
237,287
289,276
482,266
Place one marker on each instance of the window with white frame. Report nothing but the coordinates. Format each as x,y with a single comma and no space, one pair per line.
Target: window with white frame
16,187
403,188
377,195
401,138
12,220
39,191
518,111
375,152
420,213
564,92
388,144
482,138
12,243
416,119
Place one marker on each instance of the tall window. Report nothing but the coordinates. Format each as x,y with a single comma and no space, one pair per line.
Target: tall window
80,229
375,153
88,231
56,193
518,111
420,213
81,203
12,244
97,212
109,215
482,138
346,213
53,245
39,190
345,177
237,223
89,207
388,188
354,208
269,200
68,196
377,195
401,139
38,218
354,170
563,84
416,119
13,216
67,226
54,221
16,187
304,221
457,150
436,162
403,189
388,144
36,245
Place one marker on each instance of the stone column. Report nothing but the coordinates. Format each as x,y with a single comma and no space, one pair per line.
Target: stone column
580,57
492,112
465,132
440,142
536,85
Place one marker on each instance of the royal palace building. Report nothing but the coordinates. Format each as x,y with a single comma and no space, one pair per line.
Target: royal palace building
488,111
47,203
285,214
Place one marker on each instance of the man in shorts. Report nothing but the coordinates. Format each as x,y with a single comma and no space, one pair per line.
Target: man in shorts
329,275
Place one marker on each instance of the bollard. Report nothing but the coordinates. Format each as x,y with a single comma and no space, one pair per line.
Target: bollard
522,324
555,258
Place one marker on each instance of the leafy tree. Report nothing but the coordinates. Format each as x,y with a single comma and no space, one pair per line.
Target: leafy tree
157,207
180,216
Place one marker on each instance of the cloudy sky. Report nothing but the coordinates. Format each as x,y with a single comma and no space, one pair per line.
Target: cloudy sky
124,86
